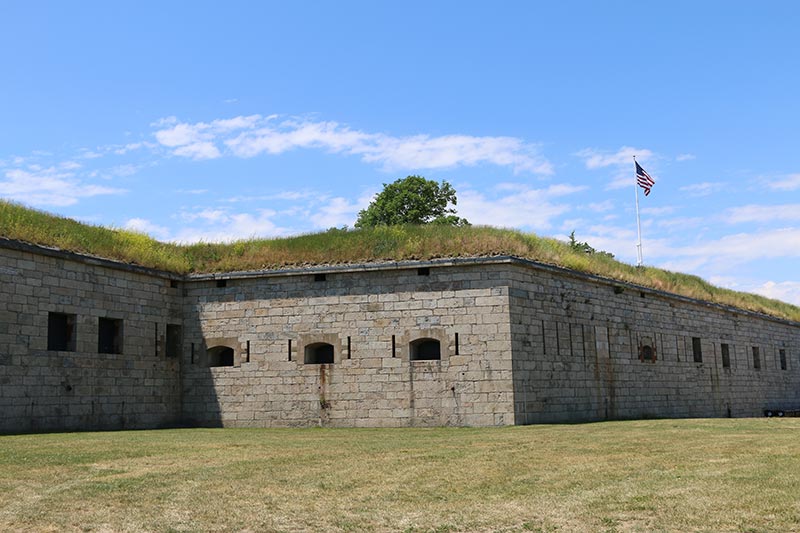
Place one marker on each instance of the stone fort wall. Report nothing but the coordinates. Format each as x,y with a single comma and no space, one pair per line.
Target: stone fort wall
65,383
87,343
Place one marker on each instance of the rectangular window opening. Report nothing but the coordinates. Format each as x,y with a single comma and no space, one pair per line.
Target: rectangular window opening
726,356
109,335
174,340
697,350
456,346
290,349
192,359
173,284
756,358
248,352
782,354
222,283
155,340
349,348
61,332
424,271
394,347
320,277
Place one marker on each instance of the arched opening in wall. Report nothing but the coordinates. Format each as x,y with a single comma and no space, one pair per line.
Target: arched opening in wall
319,353
220,356
425,350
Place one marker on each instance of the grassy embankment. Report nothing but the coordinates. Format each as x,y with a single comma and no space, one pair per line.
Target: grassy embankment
665,475
340,247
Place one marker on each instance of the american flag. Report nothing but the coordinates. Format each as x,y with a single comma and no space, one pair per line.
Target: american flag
643,179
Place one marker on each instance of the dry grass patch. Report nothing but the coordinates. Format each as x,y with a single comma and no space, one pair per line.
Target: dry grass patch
687,475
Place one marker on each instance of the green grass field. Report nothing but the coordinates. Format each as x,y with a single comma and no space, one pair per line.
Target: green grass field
339,246
665,475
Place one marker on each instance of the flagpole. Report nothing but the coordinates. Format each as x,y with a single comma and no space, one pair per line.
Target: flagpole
638,222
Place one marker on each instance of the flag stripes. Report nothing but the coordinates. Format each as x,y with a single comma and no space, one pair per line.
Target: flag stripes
643,179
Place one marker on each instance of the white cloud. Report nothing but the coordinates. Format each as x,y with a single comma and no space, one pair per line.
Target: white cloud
620,161
254,135
685,157
222,225
49,187
594,158
788,183
522,207
763,213
338,212
142,225
703,189
787,291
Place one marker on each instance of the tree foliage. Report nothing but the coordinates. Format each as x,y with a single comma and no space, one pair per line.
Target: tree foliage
585,247
412,200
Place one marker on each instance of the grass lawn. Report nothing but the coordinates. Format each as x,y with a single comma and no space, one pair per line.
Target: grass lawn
662,475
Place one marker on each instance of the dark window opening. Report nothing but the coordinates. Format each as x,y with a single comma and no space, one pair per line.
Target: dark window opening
174,340
173,284
290,349
647,353
319,353
756,358
423,271
155,340
425,350
222,283
61,332
697,350
220,356
782,354
456,344
320,277
109,335
726,356
349,348
394,347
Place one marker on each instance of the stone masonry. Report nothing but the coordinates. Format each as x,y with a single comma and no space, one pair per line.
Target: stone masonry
87,343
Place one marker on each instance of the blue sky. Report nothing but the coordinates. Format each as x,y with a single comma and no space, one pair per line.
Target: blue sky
218,121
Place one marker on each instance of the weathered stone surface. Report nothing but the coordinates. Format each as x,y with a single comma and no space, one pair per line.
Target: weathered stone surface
518,343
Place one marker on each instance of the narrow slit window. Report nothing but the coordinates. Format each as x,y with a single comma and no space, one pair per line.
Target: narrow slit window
174,340
109,335
456,346
756,358
697,350
726,356
349,348
394,347
782,354
61,332
290,349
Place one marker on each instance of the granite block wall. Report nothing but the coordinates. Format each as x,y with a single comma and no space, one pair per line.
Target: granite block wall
591,349
54,382
87,343
370,318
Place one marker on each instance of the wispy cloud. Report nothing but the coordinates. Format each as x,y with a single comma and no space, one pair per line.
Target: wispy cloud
685,157
787,183
520,206
621,162
703,189
249,136
763,213
52,186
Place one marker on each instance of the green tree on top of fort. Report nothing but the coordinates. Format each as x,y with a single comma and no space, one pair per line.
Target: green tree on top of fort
412,200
